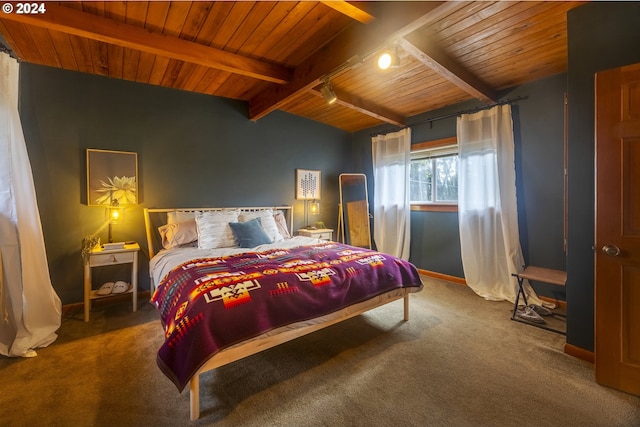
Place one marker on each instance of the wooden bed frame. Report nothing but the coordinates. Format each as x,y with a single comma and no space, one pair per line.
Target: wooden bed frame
279,335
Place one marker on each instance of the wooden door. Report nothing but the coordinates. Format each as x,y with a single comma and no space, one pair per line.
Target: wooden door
617,232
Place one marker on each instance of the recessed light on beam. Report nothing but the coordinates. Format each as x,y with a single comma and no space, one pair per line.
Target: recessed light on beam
388,59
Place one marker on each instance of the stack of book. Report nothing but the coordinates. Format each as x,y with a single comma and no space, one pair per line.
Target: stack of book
112,246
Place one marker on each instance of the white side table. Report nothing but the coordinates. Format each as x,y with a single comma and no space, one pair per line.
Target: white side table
100,257
325,234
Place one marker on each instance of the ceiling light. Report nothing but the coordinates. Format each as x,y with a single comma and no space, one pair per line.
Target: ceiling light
328,93
389,59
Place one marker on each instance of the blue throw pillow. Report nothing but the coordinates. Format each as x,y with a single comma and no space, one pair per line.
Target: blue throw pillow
249,234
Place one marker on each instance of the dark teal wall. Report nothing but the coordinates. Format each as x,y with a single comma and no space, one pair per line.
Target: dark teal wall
193,150
435,242
539,154
601,35
539,157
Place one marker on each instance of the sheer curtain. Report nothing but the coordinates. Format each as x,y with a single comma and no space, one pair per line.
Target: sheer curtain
391,205
30,310
487,209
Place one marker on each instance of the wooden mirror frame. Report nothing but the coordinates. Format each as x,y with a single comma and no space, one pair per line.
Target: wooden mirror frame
353,216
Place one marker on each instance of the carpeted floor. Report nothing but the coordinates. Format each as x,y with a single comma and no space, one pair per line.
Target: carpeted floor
458,362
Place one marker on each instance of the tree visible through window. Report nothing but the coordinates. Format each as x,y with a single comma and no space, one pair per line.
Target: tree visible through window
434,179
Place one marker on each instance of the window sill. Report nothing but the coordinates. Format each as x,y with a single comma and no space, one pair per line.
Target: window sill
435,207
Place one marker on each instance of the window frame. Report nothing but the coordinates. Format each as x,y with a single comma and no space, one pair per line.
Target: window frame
434,206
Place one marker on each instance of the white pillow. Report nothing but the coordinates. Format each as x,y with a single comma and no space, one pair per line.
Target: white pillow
214,231
268,223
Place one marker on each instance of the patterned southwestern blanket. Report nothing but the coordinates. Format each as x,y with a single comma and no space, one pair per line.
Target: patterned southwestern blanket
209,304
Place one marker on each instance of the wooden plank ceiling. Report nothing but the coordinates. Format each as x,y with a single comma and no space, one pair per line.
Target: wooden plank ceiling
275,55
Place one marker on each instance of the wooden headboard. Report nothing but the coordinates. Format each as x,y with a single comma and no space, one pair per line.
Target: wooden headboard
156,217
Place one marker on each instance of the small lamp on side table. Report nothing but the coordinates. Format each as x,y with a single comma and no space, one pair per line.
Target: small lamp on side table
308,190
314,211
115,213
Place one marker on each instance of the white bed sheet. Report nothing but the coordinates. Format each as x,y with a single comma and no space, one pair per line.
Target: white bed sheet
167,259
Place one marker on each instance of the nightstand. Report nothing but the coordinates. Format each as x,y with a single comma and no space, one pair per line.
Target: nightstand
99,257
325,234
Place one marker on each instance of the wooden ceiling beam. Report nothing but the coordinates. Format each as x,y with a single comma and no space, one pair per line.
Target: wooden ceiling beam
427,52
365,107
355,40
353,10
75,22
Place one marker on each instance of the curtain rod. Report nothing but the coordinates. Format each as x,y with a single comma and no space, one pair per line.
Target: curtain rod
5,49
458,113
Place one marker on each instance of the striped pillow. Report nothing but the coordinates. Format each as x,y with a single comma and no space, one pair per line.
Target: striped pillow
214,231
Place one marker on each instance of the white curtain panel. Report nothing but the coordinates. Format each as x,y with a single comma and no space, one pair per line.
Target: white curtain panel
30,310
391,204
487,208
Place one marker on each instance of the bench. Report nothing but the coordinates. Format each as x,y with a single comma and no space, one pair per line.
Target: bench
539,274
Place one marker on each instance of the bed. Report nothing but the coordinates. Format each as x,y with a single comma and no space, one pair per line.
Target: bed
231,282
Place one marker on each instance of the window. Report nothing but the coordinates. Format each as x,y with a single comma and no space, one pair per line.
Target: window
434,173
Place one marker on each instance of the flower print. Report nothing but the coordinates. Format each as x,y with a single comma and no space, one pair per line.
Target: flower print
122,189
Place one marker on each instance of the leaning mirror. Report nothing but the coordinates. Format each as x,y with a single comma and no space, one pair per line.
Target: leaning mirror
354,210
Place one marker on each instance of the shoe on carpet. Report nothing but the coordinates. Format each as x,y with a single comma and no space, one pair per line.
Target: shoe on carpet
527,313
542,311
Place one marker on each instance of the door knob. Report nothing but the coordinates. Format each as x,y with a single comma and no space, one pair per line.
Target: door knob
611,250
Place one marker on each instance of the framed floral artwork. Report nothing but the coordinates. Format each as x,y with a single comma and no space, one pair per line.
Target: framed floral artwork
111,176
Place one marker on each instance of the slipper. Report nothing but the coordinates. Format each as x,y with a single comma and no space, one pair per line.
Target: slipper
105,289
120,287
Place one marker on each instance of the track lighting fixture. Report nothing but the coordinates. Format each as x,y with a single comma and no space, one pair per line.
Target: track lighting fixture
328,93
389,58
